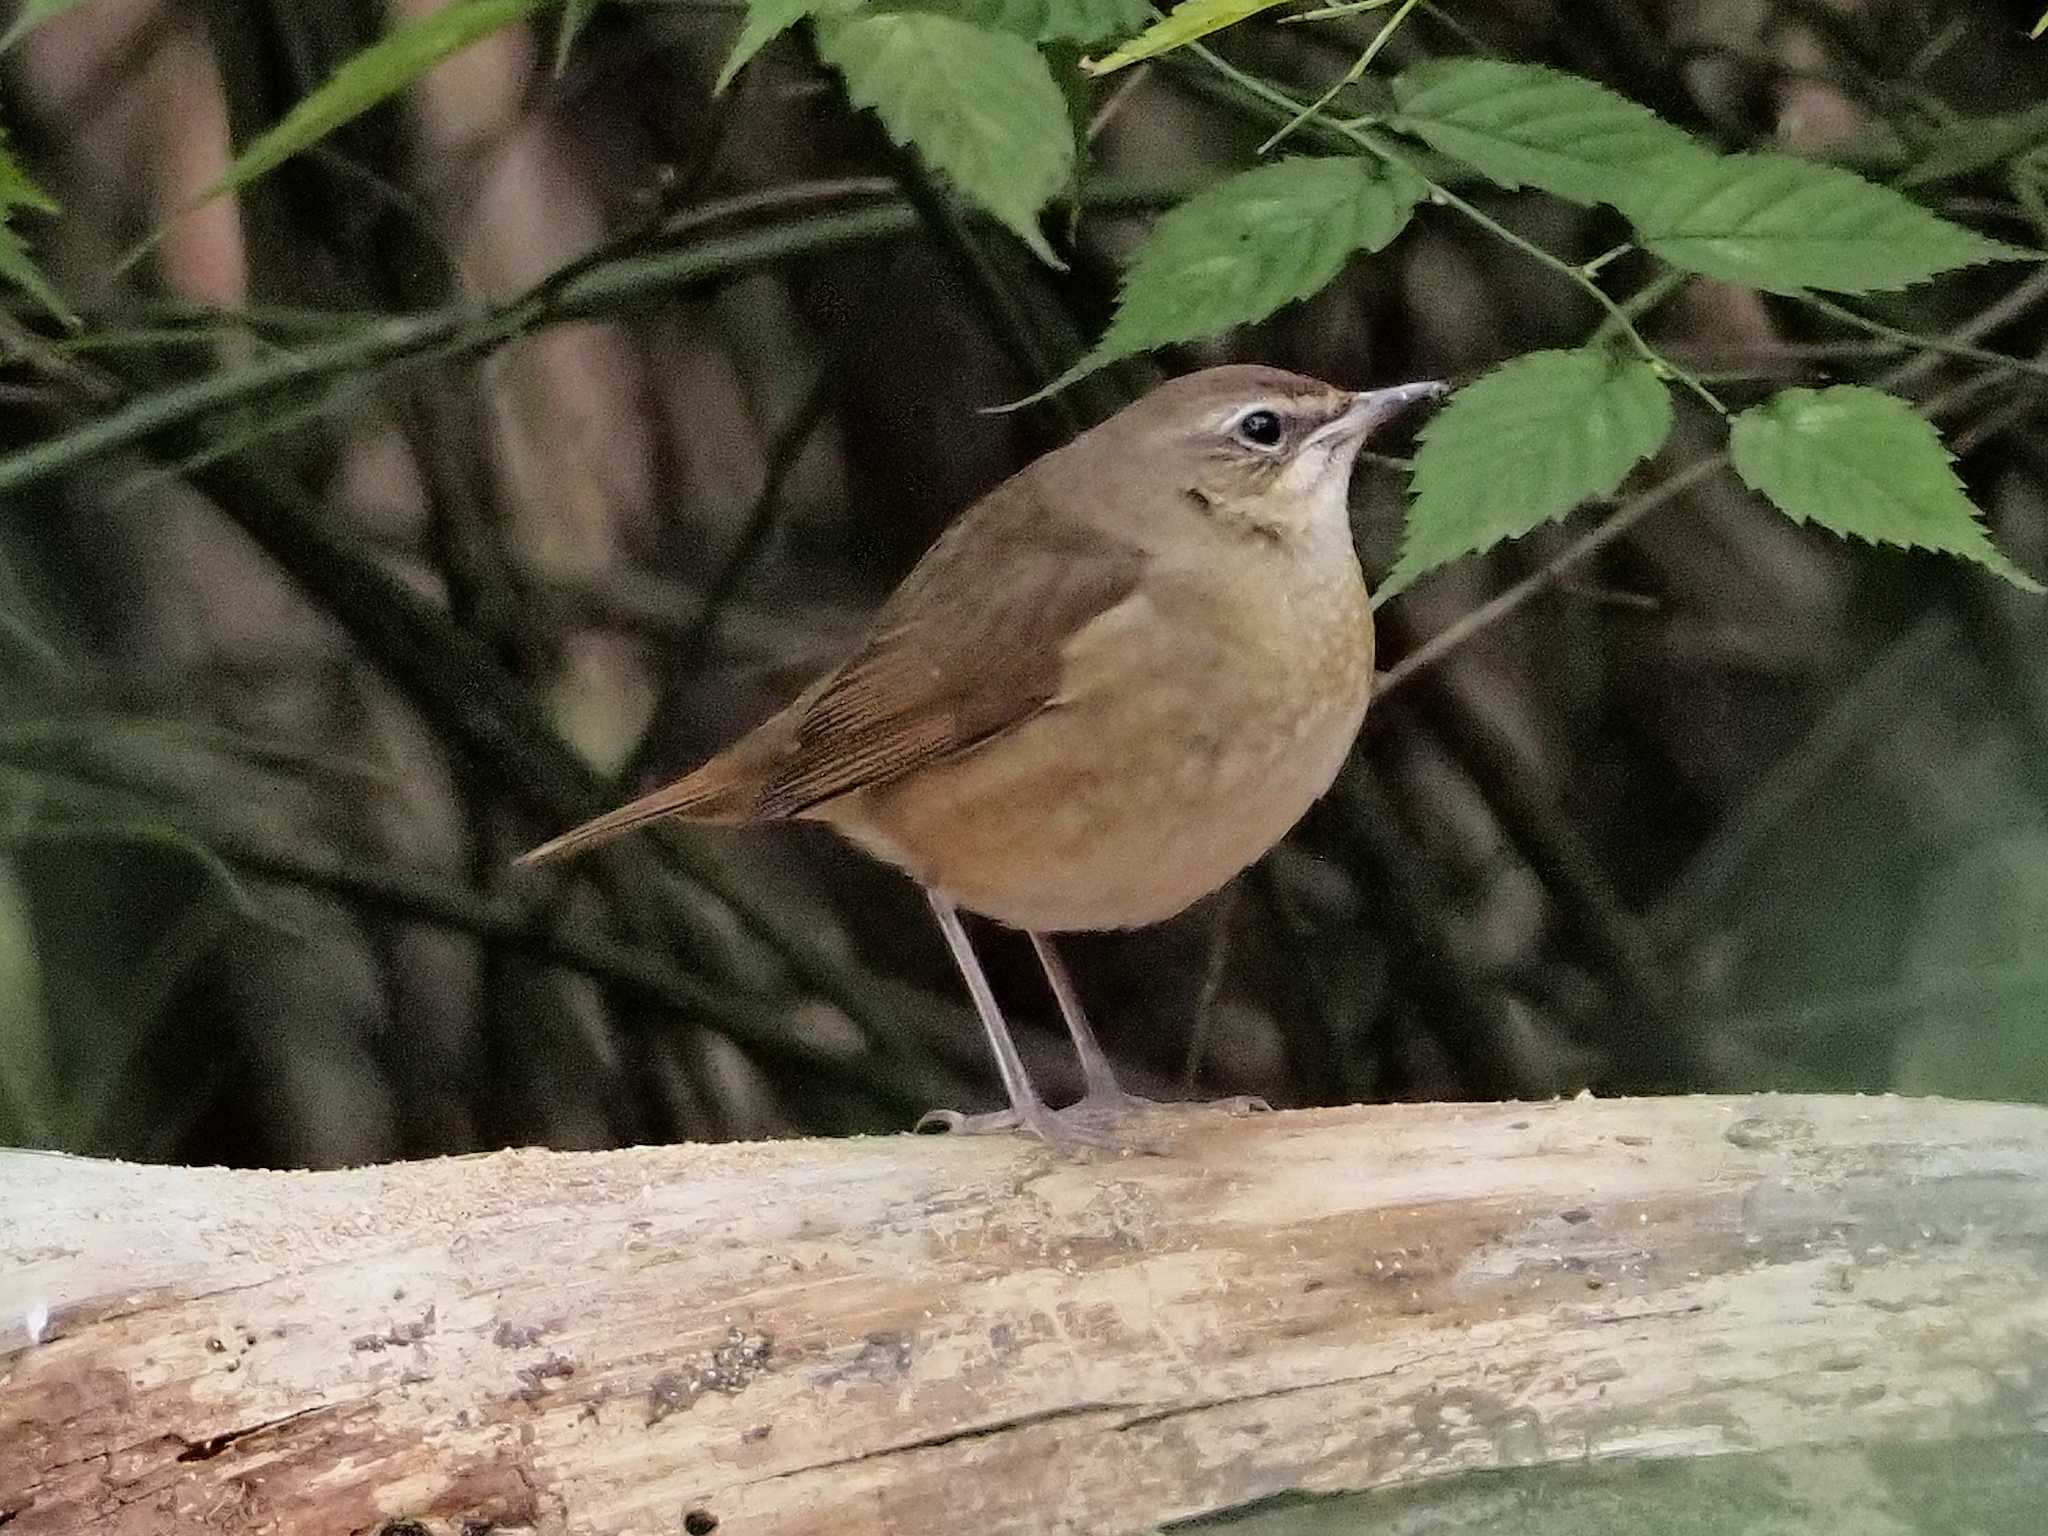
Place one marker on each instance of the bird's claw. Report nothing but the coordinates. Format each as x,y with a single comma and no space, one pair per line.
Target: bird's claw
1090,1125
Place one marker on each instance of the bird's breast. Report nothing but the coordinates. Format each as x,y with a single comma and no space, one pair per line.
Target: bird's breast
1195,724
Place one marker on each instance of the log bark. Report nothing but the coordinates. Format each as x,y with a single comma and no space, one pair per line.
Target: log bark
921,1335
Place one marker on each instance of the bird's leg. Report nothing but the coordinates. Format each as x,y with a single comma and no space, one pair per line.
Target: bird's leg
1027,1110
1105,1095
1106,1099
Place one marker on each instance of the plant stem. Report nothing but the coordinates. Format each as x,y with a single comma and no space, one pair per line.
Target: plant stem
1942,346
1350,76
1373,144
1489,613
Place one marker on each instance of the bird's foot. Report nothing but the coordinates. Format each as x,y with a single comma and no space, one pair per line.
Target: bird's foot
1094,1122
1114,1104
1089,1125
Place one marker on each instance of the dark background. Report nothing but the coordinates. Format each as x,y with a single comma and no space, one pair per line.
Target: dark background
283,686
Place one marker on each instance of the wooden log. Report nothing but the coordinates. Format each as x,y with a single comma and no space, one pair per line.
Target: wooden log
921,1335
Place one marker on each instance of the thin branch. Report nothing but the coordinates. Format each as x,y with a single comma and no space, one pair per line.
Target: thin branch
1858,711
1992,317
1487,614
1380,148
681,661
1214,964
763,1028
1940,346
1456,634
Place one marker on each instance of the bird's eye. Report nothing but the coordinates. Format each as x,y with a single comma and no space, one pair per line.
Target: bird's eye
1260,428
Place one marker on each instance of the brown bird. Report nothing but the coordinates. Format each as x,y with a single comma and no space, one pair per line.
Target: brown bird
1113,683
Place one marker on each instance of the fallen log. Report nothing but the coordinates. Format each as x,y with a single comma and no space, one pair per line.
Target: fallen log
919,1334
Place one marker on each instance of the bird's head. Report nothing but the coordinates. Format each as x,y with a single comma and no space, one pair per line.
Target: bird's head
1253,450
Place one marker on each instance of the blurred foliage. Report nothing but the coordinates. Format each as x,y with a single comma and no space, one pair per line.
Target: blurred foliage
532,419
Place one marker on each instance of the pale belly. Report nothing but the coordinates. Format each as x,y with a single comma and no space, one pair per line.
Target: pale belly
1113,812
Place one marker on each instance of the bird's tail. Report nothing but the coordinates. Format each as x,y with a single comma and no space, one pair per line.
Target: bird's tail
701,796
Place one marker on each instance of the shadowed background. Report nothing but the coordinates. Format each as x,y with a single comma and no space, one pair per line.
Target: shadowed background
285,684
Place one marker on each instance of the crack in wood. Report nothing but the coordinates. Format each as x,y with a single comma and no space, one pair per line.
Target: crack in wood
934,1441
213,1445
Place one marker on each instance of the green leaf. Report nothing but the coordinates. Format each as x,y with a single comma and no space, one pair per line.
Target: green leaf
17,191
1188,22
978,106
766,21
1782,224
1524,445
32,15
1041,21
576,16
1238,251
379,71
1524,125
1860,463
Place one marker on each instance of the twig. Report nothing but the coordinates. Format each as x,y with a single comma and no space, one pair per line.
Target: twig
1452,636
1379,147
1007,320
453,679
1858,710
1491,612
1330,1070
1940,346
1993,316
1214,964
683,659
1119,98
1467,1016
1351,76
453,328
763,1028
1662,1044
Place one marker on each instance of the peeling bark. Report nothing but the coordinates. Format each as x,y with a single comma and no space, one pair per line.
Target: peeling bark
919,1335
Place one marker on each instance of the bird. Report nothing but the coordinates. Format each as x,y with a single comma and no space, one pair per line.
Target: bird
1110,685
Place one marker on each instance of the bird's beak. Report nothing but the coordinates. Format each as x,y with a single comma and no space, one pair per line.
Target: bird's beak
1370,407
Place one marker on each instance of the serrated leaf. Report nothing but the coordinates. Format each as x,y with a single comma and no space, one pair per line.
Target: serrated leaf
1041,21
1524,125
368,77
766,21
979,107
1783,224
32,15
1524,445
1188,22
1240,250
1860,463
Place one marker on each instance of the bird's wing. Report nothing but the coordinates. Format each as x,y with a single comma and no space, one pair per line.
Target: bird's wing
968,647
971,645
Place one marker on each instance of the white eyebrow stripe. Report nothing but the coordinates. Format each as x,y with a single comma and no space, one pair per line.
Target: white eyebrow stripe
1228,422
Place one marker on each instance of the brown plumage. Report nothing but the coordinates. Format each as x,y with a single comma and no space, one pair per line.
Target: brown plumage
951,660
1116,680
